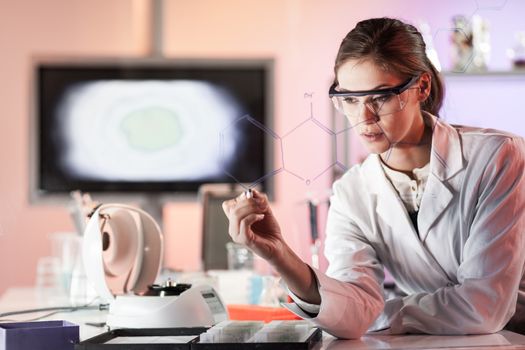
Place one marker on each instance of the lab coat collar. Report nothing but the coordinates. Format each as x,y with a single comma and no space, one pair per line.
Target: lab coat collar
446,159
392,212
389,206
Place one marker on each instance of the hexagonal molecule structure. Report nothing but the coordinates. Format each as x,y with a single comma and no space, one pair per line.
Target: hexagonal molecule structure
233,144
307,136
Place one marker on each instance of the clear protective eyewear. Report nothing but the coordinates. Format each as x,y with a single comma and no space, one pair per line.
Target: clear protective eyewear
380,102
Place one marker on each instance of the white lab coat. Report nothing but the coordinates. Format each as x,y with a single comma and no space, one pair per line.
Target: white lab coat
463,272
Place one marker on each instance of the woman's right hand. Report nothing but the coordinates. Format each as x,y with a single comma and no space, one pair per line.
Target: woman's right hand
252,223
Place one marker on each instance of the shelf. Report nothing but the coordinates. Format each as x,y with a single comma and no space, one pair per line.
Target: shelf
515,72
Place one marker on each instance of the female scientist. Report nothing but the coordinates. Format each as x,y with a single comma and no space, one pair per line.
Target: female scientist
442,207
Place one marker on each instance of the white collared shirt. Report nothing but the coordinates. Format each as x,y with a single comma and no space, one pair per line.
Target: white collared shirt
410,191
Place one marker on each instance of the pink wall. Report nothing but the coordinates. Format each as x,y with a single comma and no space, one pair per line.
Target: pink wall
301,35
29,28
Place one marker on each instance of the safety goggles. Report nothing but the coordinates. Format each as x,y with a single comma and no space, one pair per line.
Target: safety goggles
380,102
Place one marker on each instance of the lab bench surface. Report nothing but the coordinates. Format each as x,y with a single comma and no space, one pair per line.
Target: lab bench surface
26,298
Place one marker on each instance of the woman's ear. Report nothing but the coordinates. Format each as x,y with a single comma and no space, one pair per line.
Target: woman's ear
425,84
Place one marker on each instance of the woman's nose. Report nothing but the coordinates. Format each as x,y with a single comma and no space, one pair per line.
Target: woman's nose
367,115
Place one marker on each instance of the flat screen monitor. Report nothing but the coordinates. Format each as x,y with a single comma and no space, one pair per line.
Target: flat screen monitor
150,126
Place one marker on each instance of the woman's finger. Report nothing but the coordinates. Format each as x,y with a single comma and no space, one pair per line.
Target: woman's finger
227,206
238,213
245,233
261,199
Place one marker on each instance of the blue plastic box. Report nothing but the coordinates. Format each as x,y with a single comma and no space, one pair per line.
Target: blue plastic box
56,335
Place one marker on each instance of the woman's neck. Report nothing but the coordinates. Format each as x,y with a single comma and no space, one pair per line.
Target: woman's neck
407,156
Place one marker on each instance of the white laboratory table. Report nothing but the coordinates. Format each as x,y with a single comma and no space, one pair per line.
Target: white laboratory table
26,298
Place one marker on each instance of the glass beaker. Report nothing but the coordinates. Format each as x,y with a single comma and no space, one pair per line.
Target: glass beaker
65,246
239,257
48,285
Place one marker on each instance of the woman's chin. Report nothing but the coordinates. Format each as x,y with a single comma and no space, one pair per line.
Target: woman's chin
377,148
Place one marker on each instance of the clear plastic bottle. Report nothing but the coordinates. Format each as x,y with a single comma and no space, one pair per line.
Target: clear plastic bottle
81,292
269,293
517,53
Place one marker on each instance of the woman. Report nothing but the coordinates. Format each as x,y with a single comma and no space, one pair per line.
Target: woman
440,206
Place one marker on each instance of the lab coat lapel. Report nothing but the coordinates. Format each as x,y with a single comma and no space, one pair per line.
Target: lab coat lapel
393,214
388,204
446,160
435,200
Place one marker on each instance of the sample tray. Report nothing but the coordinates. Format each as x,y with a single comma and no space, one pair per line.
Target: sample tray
183,339
313,338
144,339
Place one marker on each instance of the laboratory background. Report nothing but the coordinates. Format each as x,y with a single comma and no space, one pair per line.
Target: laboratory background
479,46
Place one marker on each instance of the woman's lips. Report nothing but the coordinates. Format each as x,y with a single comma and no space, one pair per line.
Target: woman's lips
372,136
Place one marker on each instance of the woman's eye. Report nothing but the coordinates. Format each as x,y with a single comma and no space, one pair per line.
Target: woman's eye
350,100
381,99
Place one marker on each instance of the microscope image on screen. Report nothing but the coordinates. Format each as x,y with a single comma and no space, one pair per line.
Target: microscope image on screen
145,130
148,127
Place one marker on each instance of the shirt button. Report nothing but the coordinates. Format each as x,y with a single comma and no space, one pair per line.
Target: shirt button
413,188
